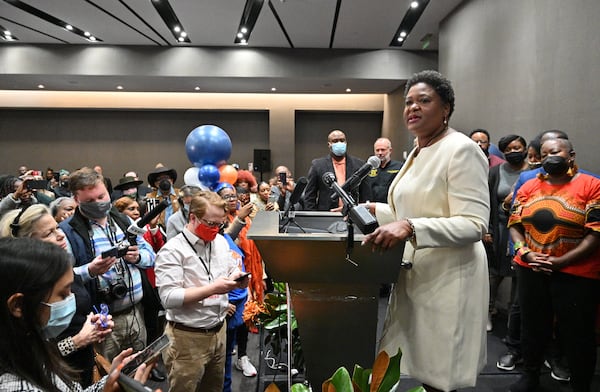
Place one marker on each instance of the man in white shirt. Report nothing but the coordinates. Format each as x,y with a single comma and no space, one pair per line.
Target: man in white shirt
194,273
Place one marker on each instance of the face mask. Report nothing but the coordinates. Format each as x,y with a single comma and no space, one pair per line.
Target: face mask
515,158
206,233
555,165
95,209
61,314
338,148
164,185
186,207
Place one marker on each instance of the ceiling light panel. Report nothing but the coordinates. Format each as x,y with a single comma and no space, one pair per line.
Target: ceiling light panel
59,20
410,19
164,9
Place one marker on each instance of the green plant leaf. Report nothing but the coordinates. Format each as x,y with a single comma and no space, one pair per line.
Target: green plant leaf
361,377
417,389
392,374
340,380
299,387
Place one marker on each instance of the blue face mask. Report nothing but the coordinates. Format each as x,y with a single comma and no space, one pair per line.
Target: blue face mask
338,148
61,314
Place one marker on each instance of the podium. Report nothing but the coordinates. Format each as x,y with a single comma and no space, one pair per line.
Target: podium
335,300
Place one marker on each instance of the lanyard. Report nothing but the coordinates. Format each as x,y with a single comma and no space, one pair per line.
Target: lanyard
207,268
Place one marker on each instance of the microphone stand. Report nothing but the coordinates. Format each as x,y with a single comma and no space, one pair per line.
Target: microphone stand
289,216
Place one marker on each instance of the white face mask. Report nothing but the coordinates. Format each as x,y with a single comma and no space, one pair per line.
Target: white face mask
61,314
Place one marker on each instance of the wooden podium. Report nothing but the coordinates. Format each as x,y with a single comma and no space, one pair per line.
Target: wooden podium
335,300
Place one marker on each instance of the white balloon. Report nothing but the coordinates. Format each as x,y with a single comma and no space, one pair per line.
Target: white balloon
190,176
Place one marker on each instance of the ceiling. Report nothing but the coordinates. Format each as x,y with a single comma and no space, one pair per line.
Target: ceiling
289,24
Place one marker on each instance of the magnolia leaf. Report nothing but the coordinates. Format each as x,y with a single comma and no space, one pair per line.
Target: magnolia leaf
272,388
392,374
339,382
379,369
300,387
361,377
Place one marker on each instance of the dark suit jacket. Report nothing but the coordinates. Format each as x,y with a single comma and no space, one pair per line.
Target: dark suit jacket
317,195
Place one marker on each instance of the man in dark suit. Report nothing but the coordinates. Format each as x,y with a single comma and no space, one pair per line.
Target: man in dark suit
318,196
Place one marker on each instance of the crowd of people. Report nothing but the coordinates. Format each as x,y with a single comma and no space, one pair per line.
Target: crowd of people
471,214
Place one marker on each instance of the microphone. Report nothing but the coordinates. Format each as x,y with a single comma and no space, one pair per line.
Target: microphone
361,173
138,227
296,194
358,214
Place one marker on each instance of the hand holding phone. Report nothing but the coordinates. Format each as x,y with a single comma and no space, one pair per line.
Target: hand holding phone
283,178
242,277
147,355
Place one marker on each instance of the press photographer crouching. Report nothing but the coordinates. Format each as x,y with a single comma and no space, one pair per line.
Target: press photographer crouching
108,263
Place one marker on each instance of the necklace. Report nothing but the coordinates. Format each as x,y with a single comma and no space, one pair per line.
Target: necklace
438,133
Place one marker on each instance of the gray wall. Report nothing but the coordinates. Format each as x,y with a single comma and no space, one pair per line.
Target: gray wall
523,66
120,140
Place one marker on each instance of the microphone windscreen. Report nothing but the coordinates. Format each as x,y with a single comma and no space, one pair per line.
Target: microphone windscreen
298,190
160,207
374,161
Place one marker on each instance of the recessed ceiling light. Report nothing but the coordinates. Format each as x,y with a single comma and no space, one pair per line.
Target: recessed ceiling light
177,29
240,35
181,39
86,33
119,87
41,86
197,88
400,39
243,42
273,89
414,4
348,90
69,27
92,38
403,34
244,30
7,33
183,34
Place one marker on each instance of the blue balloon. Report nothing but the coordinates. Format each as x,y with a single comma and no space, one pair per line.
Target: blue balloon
208,144
209,175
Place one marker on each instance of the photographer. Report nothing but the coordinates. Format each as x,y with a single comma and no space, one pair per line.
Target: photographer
15,194
107,261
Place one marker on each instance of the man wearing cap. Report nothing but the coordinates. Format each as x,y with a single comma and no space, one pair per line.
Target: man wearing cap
127,186
162,179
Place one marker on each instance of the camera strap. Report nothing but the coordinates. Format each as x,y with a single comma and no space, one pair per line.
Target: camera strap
204,264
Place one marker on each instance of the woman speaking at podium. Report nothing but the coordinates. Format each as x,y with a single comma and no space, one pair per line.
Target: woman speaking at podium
439,204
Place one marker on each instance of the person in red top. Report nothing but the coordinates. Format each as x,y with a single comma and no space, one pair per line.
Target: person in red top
555,226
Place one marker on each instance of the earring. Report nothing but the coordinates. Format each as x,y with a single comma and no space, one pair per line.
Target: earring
445,121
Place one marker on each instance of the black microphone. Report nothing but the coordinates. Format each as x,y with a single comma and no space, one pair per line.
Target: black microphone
138,227
296,194
358,214
361,173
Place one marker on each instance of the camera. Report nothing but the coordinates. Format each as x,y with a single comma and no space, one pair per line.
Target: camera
117,289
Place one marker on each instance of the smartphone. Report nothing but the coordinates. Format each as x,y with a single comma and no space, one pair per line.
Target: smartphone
241,277
283,178
150,353
36,184
128,384
112,252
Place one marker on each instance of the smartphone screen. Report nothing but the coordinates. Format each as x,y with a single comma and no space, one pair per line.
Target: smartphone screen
147,355
283,178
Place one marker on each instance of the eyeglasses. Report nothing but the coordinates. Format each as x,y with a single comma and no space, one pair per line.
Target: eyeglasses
211,223
229,197
481,141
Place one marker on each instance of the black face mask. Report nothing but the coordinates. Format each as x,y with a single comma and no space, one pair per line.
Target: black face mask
164,185
515,158
555,165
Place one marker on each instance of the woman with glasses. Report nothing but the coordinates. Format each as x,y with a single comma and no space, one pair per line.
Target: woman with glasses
75,343
37,302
